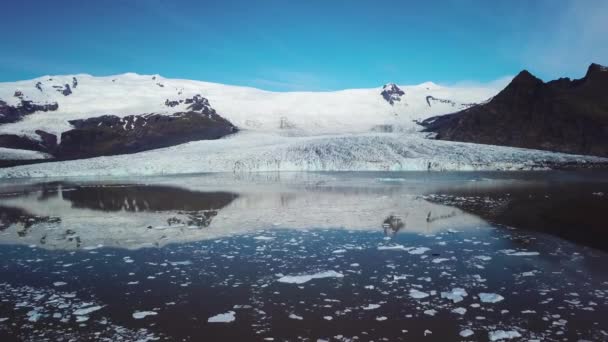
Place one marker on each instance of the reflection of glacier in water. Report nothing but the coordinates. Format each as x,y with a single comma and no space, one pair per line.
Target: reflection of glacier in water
300,257
85,215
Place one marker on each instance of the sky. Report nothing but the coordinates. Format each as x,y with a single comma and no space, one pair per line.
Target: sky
288,45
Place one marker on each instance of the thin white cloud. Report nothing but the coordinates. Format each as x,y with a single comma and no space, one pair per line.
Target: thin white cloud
569,39
498,83
282,80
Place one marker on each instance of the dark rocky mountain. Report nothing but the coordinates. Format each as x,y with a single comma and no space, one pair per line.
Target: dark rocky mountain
562,115
10,114
392,93
111,135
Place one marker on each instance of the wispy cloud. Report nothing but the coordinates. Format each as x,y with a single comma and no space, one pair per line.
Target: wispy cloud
282,80
566,41
497,84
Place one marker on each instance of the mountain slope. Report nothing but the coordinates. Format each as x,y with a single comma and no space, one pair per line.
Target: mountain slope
173,126
562,115
79,116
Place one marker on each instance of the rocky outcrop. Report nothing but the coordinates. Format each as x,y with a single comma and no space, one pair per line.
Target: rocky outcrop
64,89
110,135
10,114
392,93
562,115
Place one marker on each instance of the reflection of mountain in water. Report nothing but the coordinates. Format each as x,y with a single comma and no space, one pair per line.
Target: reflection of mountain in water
63,215
146,198
574,211
135,216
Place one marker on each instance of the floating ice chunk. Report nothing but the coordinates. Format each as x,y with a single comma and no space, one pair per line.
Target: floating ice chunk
528,274
86,311
327,318
180,263
59,283
503,335
263,238
466,333
223,318
80,319
90,248
513,252
33,316
370,307
294,316
456,295
483,257
490,297
439,260
430,312
301,279
459,310
339,251
394,248
419,250
418,294
143,314
381,318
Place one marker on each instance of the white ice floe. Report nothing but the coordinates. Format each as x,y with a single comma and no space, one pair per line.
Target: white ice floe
223,318
263,238
371,307
296,317
419,250
87,310
418,294
466,333
430,312
301,279
456,295
59,283
180,263
459,310
513,252
503,335
490,297
143,314
439,260
394,248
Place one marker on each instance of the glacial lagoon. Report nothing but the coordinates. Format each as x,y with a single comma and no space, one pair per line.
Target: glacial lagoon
381,256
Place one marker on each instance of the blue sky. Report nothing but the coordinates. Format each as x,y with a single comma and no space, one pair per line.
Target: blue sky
304,45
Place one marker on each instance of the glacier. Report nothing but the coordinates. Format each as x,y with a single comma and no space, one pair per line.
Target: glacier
347,130
264,152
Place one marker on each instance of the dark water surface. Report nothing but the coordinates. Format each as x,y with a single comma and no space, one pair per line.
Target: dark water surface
333,256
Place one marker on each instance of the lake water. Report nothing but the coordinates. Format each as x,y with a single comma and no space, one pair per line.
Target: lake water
306,256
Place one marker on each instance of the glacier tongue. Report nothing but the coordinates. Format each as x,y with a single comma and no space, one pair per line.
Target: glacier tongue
251,151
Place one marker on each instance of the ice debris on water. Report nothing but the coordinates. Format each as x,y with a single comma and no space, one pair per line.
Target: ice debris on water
466,333
490,297
301,279
223,318
503,335
418,294
143,314
456,295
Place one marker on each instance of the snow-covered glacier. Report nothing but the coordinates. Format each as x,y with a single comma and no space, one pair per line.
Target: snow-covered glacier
255,151
357,129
